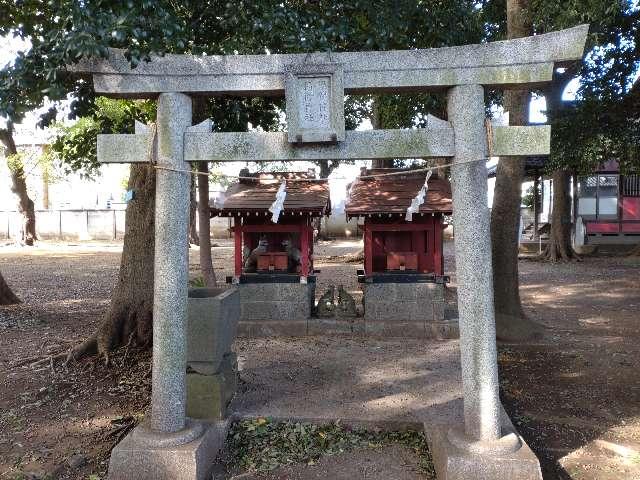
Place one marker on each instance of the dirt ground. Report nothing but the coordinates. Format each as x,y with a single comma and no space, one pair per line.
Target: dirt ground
574,395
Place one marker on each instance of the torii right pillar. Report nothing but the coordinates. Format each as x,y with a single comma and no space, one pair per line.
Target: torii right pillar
486,447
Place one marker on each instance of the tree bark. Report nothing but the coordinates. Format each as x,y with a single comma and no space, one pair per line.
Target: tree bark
19,188
204,222
7,297
129,319
511,321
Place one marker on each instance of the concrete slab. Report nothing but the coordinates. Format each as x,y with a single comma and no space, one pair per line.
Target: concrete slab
139,457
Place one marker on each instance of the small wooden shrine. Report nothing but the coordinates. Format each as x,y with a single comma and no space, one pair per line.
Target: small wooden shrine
403,278
391,243
263,246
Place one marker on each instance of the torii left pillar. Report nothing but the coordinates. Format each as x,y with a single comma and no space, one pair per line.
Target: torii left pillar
168,445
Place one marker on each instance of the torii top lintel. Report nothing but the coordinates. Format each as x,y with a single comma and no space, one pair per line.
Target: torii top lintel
504,64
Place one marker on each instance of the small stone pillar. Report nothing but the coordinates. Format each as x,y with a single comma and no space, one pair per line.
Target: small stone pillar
171,268
473,265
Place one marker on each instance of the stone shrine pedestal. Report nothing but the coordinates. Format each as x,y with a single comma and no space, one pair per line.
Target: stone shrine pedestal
275,304
406,308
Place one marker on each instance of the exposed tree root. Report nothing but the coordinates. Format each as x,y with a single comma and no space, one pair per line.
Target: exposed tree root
7,297
635,252
559,252
84,349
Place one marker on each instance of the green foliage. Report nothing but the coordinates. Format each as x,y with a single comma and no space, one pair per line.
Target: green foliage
15,163
594,131
262,445
528,198
63,31
47,163
197,282
602,124
75,144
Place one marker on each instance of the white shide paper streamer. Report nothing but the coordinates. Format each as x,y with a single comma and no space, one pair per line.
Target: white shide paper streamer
418,199
278,204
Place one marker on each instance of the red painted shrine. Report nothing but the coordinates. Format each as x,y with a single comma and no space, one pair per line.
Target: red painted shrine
263,246
391,243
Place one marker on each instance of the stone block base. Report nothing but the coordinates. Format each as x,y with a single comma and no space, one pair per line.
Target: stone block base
208,396
139,457
403,302
276,301
454,463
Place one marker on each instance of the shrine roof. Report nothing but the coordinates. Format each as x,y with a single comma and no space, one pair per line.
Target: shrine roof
305,194
392,194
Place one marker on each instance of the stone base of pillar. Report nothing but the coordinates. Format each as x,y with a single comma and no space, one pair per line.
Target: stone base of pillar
145,455
455,459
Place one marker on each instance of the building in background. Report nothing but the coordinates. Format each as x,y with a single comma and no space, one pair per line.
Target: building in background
608,204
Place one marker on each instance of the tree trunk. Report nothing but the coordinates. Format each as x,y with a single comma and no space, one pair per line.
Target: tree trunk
326,167
129,318
200,114
559,247
7,297
19,188
45,190
511,322
194,237
377,122
204,222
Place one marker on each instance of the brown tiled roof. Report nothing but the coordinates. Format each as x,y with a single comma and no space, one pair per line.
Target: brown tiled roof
257,195
393,193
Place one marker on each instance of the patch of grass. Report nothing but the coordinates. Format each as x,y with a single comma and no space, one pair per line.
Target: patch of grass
261,445
197,282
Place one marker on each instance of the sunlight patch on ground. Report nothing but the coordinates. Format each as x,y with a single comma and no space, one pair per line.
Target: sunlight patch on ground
342,244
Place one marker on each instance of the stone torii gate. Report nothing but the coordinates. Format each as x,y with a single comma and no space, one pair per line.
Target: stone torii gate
169,445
